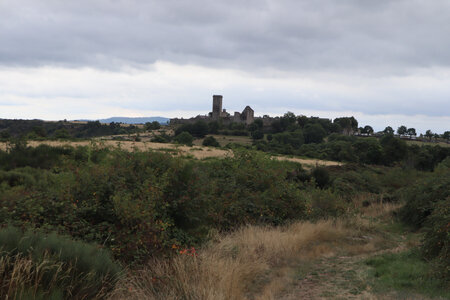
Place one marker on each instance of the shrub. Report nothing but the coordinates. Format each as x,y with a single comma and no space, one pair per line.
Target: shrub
324,204
43,156
421,198
75,269
210,141
163,138
321,176
314,133
197,129
184,138
436,243
257,134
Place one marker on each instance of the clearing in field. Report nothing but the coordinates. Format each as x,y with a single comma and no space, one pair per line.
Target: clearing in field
198,152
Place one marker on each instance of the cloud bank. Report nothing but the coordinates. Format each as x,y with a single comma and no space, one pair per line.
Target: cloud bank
373,58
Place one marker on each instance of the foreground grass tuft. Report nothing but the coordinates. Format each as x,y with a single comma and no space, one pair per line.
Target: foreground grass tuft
405,271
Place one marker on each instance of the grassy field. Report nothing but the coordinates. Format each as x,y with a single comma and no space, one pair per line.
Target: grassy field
323,260
198,152
420,143
226,139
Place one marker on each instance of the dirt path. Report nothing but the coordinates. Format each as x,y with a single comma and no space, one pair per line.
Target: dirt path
341,277
333,278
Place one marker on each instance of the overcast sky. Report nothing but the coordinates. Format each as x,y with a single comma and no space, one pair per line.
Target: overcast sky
386,62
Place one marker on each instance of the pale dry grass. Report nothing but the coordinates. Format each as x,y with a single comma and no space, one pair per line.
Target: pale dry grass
256,262
198,152
223,140
22,278
232,265
19,275
381,209
310,162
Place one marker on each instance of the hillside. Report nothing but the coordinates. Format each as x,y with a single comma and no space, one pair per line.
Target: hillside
138,120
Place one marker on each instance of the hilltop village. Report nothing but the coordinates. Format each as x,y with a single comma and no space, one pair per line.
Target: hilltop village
218,113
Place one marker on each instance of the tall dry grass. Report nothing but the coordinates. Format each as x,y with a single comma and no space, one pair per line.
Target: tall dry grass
20,277
23,278
252,262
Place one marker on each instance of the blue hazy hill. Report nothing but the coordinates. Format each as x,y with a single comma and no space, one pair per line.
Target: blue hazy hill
126,120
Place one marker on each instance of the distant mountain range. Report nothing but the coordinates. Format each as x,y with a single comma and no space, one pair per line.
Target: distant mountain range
127,120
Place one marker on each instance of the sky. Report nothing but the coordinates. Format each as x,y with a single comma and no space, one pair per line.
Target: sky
386,62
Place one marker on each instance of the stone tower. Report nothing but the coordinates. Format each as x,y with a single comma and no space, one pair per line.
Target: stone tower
248,115
217,106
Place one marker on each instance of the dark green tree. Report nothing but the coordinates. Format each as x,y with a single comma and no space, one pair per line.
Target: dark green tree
152,125
411,132
200,129
394,149
402,130
210,141
259,123
314,133
213,127
367,130
62,134
388,130
184,138
429,134
257,134
446,136
302,121
39,131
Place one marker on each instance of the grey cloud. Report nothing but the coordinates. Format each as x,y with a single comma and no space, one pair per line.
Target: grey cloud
365,36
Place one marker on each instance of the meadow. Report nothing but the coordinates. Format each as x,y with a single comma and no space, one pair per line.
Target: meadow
118,219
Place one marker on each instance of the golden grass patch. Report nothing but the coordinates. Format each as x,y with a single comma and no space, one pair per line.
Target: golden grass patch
198,152
232,264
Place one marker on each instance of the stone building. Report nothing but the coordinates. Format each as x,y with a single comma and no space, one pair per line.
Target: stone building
247,116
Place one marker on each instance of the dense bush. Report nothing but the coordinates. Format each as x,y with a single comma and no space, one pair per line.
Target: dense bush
198,129
139,204
436,244
184,138
321,176
210,141
421,197
60,265
428,205
43,156
37,129
388,151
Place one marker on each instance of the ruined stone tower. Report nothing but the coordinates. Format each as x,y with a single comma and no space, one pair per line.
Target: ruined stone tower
248,115
217,106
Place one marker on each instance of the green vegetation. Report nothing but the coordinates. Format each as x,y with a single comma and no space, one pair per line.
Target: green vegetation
427,206
60,266
61,205
405,272
184,138
152,125
140,204
38,130
210,141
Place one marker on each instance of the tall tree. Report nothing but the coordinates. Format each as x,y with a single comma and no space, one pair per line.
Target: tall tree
388,130
314,133
348,125
446,136
411,132
402,130
429,134
367,130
